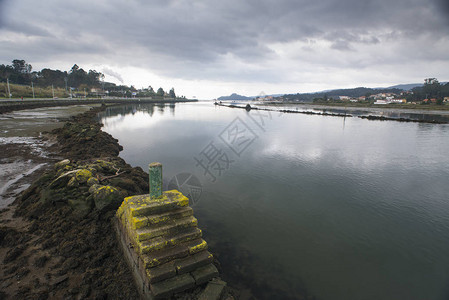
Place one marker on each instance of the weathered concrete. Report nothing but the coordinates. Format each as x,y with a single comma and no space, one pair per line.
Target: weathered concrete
155,180
166,245
204,274
173,285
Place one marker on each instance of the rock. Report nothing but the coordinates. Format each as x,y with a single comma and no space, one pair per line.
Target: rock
213,290
93,188
92,181
83,175
62,180
72,183
104,166
62,164
106,197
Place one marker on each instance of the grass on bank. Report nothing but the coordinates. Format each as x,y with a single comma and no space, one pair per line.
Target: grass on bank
25,91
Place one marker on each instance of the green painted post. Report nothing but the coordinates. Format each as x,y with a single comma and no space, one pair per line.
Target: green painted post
155,180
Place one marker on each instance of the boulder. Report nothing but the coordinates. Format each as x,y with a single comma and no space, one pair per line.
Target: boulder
83,175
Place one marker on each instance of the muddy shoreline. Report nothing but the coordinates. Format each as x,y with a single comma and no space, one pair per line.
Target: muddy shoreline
57,239
48,249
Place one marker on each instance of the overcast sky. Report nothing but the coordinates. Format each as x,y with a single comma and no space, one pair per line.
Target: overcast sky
210,48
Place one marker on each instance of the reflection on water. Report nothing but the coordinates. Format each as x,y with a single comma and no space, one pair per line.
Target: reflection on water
338,208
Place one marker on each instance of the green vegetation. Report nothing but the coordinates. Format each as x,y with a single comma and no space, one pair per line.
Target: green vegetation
432,92
335,94
74,83
26,91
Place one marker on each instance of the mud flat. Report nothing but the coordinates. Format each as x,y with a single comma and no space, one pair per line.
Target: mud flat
53,247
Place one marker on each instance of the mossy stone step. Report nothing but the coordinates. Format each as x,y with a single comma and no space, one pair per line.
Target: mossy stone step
161,272
160,257
159,219
193,262
143,205
168,287
179,266
204,274
162,242
196,246
170,228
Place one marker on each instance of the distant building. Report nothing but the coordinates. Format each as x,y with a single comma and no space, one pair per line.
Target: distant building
343,98
446,99
398,101
380,101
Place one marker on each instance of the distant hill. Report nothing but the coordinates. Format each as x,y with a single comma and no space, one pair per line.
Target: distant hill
356,92
234,96
405,87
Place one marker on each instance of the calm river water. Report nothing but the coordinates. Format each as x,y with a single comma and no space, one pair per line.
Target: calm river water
294,204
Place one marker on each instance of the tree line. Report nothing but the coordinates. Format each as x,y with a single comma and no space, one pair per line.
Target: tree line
20,72
77,79
431,89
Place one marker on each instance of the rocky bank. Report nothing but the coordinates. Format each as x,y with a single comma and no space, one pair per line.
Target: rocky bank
57,240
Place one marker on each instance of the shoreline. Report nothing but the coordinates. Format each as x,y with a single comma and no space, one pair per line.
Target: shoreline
442,109
46,250
346,114
57,238
7,105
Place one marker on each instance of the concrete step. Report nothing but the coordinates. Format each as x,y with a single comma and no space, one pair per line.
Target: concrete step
179,266
162,242
193,262
160,257
196,246
204,274
161,272
161,218
168,287
142,205
169,228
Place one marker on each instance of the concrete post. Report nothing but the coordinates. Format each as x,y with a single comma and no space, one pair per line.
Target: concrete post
155,180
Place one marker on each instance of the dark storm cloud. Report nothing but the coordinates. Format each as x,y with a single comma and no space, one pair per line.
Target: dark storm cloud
174,36
2,12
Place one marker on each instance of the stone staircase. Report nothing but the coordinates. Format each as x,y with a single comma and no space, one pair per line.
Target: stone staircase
164,245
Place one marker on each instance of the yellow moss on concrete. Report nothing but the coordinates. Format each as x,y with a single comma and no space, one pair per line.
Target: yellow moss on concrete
200,247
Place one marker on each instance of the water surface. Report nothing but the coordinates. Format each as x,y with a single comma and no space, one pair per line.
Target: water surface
339,208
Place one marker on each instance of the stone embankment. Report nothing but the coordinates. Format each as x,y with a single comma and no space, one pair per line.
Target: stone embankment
12,105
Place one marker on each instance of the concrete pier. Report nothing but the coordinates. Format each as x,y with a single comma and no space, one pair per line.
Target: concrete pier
162,242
